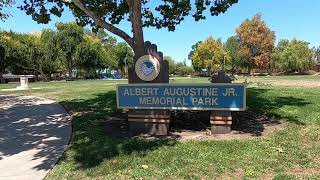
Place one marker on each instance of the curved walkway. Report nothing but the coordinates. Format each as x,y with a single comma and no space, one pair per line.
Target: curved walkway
34,133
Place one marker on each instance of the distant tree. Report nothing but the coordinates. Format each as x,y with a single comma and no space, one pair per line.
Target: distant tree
232,47
107,14
32,55
90,56
48,52
54,56
3,5
11,50
25,54
182,69
3,64
208,55
256,42
68,37
297,56
283,44
316,54
82,50
178,68
122,56
193,49
275,62
172,64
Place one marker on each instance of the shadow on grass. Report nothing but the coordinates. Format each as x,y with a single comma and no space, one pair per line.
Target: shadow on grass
91,146
262,111
90,142
262,104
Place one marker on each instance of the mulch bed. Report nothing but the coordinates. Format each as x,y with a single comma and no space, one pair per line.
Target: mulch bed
197,124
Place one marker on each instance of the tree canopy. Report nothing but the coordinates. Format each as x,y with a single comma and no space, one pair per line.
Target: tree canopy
232,46
293,55
68,38
3,63
140,13
70,48
193,49
208,55
3,5
256,42
178,68
316,54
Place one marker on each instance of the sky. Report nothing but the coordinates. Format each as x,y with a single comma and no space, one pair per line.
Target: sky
288,18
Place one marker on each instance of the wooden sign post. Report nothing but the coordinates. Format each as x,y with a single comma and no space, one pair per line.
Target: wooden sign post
149,68
221,121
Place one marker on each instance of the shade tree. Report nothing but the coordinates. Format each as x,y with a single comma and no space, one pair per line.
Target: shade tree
139,13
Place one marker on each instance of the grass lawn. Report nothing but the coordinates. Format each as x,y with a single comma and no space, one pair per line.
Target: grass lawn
290,153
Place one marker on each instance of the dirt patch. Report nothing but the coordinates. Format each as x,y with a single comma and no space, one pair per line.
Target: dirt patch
195,125
299,171
288,83
229,175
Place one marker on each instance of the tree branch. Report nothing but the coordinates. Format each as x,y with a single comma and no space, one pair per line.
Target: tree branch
29,68
104,24
34,69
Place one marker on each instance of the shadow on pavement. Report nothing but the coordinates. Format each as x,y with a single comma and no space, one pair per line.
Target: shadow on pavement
33,134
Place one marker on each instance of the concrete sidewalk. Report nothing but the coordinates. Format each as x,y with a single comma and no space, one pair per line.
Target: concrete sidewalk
34,133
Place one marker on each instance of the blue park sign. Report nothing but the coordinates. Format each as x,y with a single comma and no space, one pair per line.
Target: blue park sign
229,96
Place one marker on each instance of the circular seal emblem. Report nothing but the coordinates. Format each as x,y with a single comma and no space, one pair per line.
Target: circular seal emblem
147,68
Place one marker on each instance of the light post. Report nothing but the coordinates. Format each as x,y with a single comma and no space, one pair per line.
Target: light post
125,67
223,61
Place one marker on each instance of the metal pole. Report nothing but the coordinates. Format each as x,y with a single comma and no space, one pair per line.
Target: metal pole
125,67
224,61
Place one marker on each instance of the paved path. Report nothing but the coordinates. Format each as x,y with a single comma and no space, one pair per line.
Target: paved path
33,135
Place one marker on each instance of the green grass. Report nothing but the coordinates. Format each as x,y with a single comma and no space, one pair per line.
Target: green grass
93,155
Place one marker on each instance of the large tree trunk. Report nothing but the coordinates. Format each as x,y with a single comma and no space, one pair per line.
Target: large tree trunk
136,22
50,76
37,76
2,80
233,70
45,79
70,73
